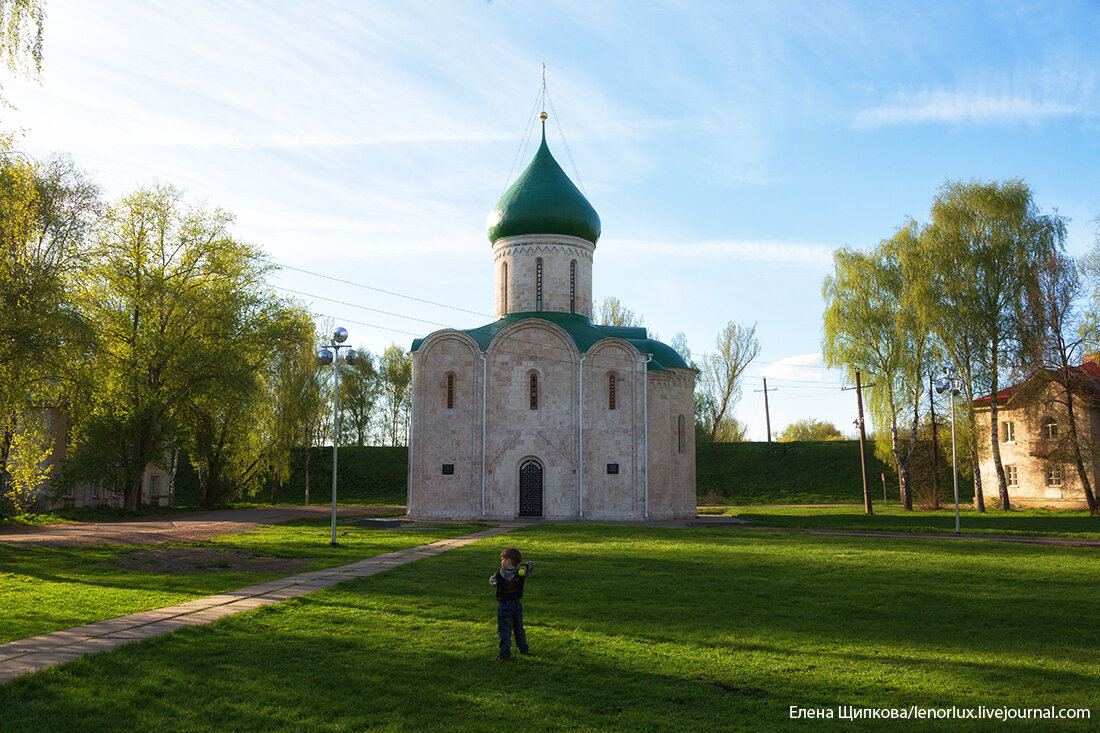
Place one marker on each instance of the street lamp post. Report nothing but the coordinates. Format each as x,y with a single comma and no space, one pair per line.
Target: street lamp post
951,383
330,354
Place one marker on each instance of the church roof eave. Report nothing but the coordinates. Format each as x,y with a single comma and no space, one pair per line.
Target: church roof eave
584,335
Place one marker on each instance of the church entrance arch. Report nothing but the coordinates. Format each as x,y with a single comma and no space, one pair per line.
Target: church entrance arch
530,489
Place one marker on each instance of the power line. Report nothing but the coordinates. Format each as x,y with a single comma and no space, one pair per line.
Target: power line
379,290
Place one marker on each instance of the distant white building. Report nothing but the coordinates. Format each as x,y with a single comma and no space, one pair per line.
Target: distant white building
542,413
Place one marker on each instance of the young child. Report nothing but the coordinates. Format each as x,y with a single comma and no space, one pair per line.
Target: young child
509,584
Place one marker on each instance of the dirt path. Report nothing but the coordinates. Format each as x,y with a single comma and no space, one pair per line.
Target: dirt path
173,527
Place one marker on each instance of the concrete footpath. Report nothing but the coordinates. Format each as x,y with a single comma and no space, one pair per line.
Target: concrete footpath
38,652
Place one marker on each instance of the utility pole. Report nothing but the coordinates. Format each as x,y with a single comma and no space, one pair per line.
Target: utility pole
862,448
767,414
935,445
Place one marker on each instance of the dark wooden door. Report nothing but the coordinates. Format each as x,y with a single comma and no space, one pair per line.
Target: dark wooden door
530,489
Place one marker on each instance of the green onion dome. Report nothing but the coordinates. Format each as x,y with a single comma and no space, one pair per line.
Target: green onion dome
543,201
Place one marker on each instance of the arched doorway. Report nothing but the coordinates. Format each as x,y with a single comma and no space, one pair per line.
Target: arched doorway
530,489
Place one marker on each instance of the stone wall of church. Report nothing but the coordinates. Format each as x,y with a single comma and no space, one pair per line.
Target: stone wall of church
446,436
672,444
518,433
614,433
614,445
515,260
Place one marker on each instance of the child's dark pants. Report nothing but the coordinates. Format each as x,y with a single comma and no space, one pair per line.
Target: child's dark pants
509,619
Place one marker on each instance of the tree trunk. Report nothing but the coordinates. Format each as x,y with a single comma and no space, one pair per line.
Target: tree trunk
1082,474
274,489
307,469
935,448
979,496
995,444
5,451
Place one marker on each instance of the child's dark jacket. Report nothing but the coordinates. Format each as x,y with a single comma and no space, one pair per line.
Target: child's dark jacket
509,583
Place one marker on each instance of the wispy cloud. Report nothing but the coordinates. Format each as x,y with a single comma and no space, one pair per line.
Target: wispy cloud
801,367
745,250
961,108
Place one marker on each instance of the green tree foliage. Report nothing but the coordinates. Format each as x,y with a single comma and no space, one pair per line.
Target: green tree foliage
173,298
870,328
613,313
360,389
395,376
233,425
22,23
44,212
809,429
720,381
982,251
296,404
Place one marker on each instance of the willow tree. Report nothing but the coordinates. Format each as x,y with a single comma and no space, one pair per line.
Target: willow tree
236,428
983,248
164,288
22,24
870,328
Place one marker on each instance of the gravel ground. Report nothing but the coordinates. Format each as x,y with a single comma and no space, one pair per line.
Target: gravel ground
171,528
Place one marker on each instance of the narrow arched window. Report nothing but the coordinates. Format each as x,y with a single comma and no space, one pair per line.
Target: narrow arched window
534,391
450,391
504,279
680,433
538,285
573,286
611,391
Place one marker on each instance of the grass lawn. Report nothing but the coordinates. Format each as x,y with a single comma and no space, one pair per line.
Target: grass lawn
50,588
630,629
1043,522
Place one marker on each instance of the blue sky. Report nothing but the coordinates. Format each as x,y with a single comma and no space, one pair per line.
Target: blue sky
729,148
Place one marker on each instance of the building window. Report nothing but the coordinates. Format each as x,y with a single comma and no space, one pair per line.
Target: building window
1012,476
450,391
534,392
573,286
504,280
538,284
448,469
1054,476
1050,428
680,433
154,486
1008,432
611,391
613,468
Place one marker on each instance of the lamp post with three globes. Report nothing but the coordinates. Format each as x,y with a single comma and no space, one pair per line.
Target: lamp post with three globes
330,354
950,382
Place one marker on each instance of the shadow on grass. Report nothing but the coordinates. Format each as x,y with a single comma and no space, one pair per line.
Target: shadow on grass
631,630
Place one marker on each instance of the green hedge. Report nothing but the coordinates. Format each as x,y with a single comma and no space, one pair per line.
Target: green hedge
817,472
368,475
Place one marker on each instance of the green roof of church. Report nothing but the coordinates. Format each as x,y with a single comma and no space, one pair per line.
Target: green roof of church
584,334
543,201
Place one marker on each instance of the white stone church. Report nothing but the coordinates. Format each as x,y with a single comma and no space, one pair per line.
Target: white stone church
542,413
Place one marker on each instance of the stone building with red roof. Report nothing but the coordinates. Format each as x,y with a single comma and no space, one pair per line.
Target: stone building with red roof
1034,433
